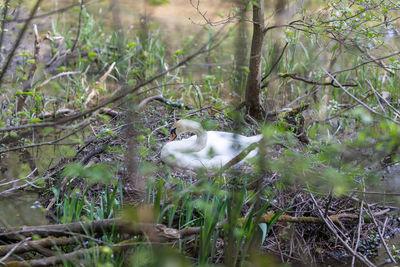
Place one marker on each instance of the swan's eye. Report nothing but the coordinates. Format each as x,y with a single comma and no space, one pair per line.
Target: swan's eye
173,134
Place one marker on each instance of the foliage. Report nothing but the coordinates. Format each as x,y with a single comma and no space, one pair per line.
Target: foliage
347,143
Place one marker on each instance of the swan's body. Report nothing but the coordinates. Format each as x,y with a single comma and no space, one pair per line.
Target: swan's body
208,149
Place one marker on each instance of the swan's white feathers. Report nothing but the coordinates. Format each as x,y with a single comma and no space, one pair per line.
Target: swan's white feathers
208,149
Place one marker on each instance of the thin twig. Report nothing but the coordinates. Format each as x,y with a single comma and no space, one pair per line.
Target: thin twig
3,23
366,62
230,18
381,97
238,158
79,27
17,180
56,77
343,110
13,249
126,90
303,79
381,235
359,256
160,98
46,143
378,62
360,222
358,100
276,63
18,41
29,81
56,11
376,193
304,96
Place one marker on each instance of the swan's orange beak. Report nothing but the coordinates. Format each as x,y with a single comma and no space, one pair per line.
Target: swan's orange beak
173,135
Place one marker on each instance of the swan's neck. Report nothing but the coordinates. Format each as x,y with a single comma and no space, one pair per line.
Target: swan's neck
201,140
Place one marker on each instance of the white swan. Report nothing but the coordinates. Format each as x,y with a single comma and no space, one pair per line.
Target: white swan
208,149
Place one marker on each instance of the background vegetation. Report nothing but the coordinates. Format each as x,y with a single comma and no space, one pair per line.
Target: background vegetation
88,96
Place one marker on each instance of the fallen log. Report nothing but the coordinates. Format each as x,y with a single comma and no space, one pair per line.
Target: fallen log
157,232
75,232
161,232
45,242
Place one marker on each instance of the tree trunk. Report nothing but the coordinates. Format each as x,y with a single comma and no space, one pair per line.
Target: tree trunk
241,51
253,90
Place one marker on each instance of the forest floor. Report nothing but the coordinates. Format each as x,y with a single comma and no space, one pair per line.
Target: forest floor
298,236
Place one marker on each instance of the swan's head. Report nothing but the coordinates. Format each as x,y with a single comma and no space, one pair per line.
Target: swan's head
183,126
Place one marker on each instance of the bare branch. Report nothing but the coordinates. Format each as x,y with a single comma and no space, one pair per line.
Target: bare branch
381,98
366,62
231,17
46,143
28,84
276,63
56,77
377,61
79,27
160,98
125,90
60,10
359,256
360,222
381,235
359,101
18,41
303,79
3,22
15,247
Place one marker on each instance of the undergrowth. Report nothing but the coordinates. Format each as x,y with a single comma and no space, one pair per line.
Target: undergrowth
226,207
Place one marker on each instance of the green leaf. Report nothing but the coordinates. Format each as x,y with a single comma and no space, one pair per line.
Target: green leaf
67,152
158,2
104,117
80,141
255,3
73,170
47,130
140,138
99,173
40,182
335,47
34,120
61,69
264,229
24,93
130,45
147,168
132,82
177,52
245,69
288,32
92,55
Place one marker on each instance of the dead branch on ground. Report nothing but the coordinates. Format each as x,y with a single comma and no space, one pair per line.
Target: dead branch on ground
162,99
328,222
73,233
